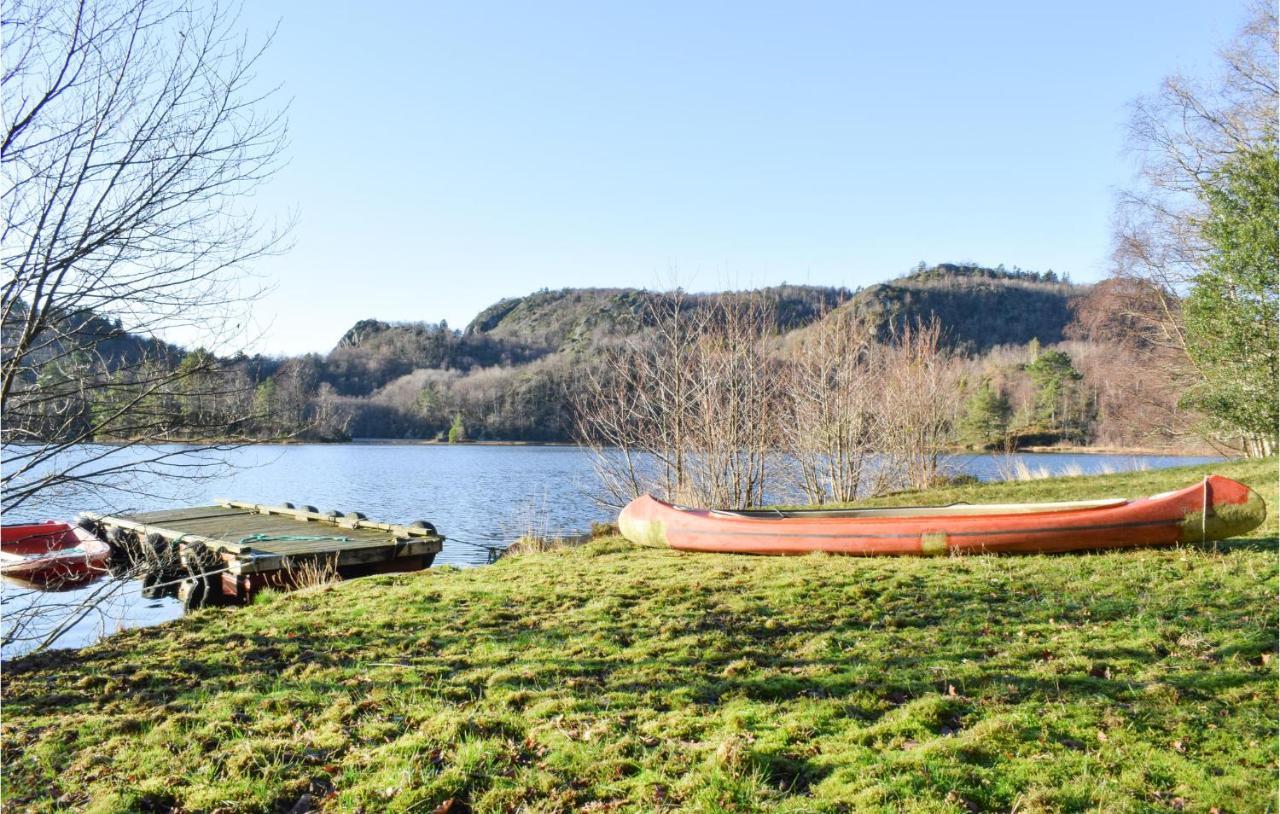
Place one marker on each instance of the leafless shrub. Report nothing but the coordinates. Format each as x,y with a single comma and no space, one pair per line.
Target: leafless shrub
631,407
706,408
735,407
688,408
919,387
308,572
833,418
531,544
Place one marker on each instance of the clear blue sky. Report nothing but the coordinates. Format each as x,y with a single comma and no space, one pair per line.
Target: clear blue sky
446,155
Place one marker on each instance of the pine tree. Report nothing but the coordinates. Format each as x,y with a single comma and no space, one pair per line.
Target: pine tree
1061,405
458,431
986,419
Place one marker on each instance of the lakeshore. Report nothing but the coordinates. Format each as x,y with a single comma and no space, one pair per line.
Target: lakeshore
479,497
608,677
1189,450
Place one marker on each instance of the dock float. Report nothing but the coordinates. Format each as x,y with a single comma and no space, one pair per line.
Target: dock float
225,553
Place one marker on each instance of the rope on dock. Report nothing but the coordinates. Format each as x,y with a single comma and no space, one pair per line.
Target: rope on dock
493,551
184,579
476,544
292,538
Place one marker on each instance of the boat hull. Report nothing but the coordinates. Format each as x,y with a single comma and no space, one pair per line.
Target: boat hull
37,538
1215,509
52,555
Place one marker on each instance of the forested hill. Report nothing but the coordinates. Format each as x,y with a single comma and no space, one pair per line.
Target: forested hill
506,375
519,330
511,372
581,317
979,307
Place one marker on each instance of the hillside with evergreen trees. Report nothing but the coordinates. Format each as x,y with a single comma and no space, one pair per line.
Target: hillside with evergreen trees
512,372
979,308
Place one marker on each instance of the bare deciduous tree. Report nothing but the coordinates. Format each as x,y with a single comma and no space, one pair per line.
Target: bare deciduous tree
919,388
832,423
735,401
1184,136
1131,361
132,131
686,408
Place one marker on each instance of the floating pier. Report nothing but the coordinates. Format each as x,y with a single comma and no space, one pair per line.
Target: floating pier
227,552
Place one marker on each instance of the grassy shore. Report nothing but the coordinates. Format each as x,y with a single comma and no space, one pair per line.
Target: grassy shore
609,678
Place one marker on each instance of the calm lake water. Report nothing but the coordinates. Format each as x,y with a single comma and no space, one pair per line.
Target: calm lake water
475,496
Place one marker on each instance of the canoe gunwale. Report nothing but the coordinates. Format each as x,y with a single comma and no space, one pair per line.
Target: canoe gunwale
890,512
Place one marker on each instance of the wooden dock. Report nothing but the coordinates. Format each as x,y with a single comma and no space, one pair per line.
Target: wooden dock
229,551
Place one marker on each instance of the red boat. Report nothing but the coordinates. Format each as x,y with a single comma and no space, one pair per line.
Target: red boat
51,554
1213,509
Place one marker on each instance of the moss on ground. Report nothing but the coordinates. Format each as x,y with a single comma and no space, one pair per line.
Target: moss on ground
610,677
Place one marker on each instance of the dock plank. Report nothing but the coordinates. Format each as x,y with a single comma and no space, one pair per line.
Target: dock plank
267,525
316,546
231,526
195,513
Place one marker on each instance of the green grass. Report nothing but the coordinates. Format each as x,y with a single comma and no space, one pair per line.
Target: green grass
610,678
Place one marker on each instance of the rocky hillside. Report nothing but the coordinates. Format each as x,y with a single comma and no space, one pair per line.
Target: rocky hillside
509,374
554,320
978,307
581,317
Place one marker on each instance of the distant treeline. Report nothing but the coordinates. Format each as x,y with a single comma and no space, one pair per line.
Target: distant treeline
1034,374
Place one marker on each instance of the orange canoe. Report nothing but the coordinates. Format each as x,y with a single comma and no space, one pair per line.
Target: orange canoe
1213,509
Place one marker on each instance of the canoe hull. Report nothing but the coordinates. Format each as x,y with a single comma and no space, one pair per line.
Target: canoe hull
1172,517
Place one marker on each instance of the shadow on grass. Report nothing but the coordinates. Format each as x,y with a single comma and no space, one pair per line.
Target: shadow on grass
700,677
483,659
1260,544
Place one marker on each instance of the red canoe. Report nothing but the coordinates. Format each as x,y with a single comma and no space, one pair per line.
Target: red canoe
51,554
1213,509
